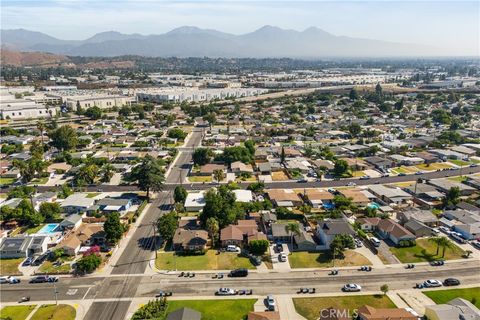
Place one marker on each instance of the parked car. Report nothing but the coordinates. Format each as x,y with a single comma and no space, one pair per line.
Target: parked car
402,174
364,177
27,262
457,237
475,243
232,248
432,283
238,273
282,257
43,279
451,282
445,230
279,247
225,292
351,287
351,184
270,303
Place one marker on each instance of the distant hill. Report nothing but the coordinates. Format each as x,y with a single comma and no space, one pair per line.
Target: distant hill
15,58
188,41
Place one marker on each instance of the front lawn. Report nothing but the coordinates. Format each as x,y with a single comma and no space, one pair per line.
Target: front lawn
200,179
459,162
216,309
49,267
426,251
54,312
443,296
208,261
92,194
16,312
10,266
7,181
303,259
311,308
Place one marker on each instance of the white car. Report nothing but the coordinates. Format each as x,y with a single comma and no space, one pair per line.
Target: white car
432,283
351,287
270,303
445,230
232,248
226,292
475,243
9,279
282,257
351,184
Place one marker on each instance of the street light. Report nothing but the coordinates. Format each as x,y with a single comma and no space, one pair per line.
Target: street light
55,291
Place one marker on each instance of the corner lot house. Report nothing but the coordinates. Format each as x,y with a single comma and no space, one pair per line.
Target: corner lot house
386,229
465,222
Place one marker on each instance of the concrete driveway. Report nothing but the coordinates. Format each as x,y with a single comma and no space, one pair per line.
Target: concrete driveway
277,265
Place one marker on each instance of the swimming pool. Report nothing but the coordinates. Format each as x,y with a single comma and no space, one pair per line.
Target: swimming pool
374,205
48,228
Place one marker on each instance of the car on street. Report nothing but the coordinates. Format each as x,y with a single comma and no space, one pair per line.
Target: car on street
451,282
9,279
270,303
351,287
432,283
282,257
225,292
364,177
402,174
43,279
242,272
351,184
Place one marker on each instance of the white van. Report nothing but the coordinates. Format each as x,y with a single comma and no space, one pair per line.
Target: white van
232,248
375,241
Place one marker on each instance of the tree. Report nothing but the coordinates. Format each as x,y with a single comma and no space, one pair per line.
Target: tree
354,129
167,224
154,309
106,172
384,288
113,228
256,187
292,228
125,111
340,168
378,90
282,155
353,94
341,242
445,243
27,215
41,127
177,133
202,156
452,197
218,175
89,263
213,228
436,240
180,194
93,113
87,174
258,247
50,210
63,138
149,175
220,204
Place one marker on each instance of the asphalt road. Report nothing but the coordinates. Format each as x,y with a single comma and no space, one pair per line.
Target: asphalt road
117,289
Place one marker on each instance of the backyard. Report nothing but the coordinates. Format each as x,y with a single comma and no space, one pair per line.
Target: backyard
425,251
310,308
10,266
216,309
303,259
54,312
443,296
16,312
208,261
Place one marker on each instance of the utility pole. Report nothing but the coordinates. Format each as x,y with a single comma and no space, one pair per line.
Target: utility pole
55,291
154,240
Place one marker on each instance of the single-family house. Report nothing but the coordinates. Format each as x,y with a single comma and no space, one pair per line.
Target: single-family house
457,308
444,185
284,197
71,222
389,195
328,229
304,242
22,246
318,197
190,240
195,201
76,203
367,312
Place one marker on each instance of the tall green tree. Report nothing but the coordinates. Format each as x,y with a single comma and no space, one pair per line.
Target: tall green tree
113,228
50,211
149,175
213,228
452,197
167,224
292,228
180,194
106,172
64,138
340,168
218,175
202,156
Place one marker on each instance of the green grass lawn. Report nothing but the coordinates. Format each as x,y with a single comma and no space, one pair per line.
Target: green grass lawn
459,162
310,308
323,259
33,229
458,179
49,267
7,181
216,309
10,266
39,180
443,296
54,312
426,251
16,312
208,261
200,179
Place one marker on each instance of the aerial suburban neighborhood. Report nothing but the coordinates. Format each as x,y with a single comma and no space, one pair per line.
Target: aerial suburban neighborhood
188,185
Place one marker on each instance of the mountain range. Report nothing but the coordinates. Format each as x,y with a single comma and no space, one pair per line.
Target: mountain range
268,41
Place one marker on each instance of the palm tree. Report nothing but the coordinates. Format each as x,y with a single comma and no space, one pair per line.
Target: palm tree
437,241
107,172
293,229
41,128
445,243
218,175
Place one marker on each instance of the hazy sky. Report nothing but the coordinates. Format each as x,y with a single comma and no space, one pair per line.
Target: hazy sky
444,24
